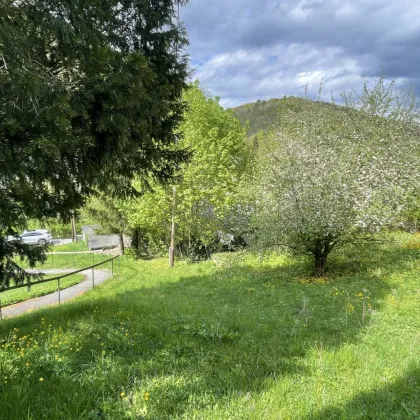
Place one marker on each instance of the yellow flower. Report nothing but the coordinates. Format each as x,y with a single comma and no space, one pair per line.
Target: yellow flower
41,379
350,307
122,394
146,396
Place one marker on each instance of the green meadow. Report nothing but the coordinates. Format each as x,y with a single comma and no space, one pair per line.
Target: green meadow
233,338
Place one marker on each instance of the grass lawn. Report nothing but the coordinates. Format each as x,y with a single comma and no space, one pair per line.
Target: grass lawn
70,247
19,295
71,260
239,339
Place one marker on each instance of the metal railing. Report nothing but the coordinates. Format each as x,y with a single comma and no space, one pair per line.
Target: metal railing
58,278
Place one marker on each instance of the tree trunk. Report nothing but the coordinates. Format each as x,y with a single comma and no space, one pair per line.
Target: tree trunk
320,252
135,242
122,248
320,260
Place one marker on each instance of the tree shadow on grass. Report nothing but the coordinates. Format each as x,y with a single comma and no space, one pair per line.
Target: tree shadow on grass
388,256
399,400
191,343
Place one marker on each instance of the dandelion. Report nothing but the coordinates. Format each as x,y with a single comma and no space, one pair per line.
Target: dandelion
122,394
392,299
146,396
350,308
41,379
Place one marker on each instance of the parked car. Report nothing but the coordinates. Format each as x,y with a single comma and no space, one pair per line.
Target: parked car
36,237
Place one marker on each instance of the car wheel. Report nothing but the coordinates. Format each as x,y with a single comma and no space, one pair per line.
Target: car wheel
42,242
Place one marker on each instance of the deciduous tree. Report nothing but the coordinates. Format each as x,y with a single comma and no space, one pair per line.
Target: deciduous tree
205,193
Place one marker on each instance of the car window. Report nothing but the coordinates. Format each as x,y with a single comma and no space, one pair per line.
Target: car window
26,234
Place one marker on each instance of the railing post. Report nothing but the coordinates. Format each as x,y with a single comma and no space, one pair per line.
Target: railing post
93,277
59,293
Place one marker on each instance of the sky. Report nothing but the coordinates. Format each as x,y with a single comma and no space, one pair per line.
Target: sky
244,50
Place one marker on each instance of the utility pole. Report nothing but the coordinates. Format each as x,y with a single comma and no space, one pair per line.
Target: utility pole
172,247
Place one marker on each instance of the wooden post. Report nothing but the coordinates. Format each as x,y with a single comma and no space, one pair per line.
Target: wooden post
172,247
73,228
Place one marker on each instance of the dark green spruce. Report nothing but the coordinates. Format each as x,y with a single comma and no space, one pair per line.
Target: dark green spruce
90,96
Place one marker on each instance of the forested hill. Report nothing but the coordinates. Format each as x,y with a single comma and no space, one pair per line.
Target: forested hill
266,115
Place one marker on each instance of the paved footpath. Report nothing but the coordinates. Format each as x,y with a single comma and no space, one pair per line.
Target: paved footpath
52,299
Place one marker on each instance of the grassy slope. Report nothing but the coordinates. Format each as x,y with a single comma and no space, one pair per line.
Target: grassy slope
234,341
267,115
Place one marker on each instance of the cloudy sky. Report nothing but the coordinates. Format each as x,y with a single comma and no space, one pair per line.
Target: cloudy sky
244,50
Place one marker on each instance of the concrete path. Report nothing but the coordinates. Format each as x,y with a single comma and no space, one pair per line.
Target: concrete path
59,241
52,299
63,241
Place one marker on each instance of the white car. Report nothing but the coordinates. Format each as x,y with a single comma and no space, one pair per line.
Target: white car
36,237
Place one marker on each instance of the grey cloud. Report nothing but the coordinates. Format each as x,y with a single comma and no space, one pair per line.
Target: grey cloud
250,49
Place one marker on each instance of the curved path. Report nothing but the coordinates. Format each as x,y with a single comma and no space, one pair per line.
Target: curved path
52,298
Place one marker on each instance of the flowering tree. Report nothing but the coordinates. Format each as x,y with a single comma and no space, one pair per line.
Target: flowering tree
333,173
